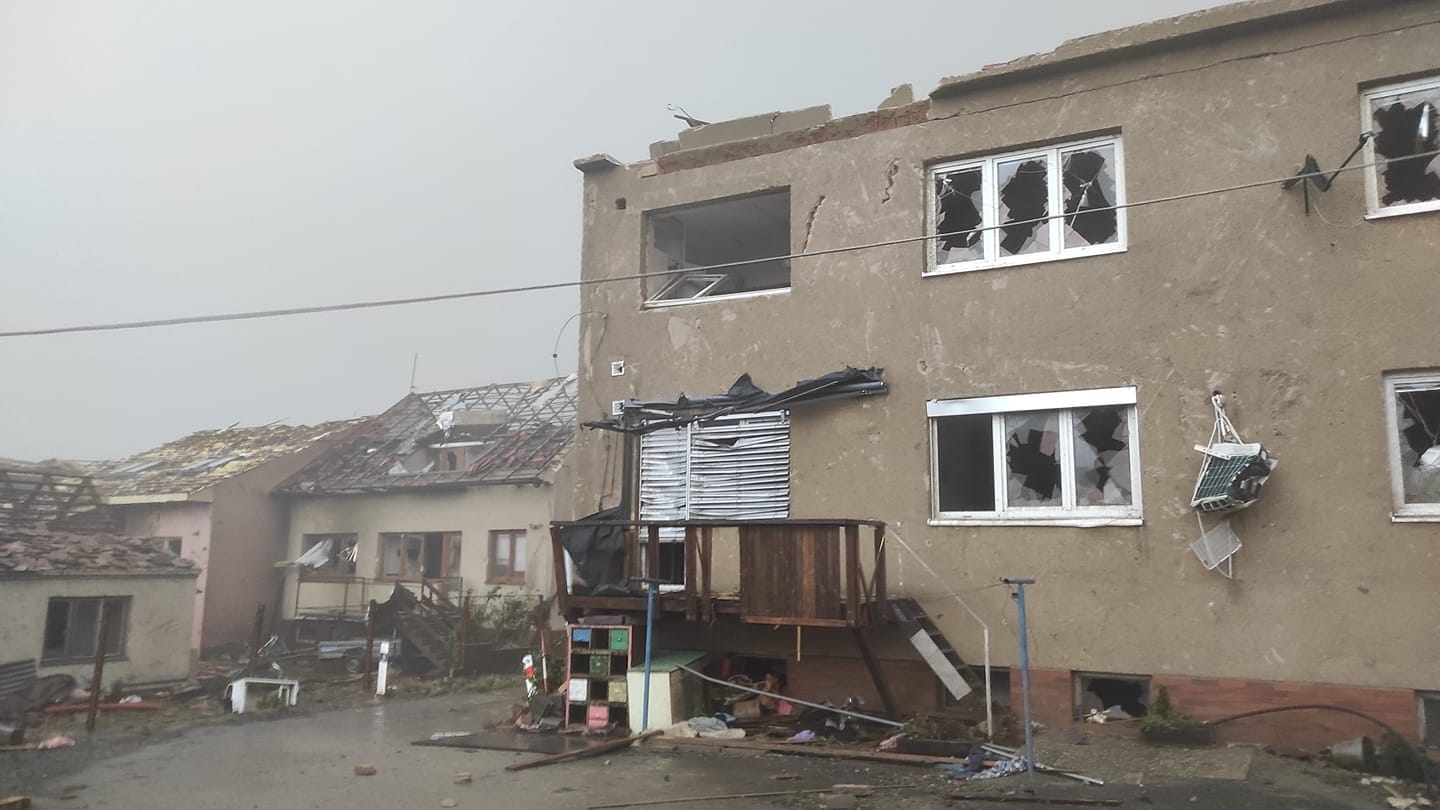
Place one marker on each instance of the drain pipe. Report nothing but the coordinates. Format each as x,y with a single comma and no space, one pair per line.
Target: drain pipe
984,628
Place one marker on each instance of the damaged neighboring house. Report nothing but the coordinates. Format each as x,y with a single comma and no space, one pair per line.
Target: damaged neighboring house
64,571
1051,351
208,498
445,493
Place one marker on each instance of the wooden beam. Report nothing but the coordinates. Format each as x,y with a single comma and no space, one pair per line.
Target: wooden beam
853,596
882,595
562,592
581,753
828,752
652,552
877,675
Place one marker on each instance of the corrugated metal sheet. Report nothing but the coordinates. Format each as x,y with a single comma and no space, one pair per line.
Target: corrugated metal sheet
16,675
733,468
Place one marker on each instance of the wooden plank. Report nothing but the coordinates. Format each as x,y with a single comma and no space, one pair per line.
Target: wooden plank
853,597
652,552
692,556
797,621
828,752
876,674
706,559
581,753
882,596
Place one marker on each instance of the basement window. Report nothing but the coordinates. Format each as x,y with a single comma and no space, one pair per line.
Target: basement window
1413,405
1064,458
1429,718
684,243
1101,692
1024,207
1405,119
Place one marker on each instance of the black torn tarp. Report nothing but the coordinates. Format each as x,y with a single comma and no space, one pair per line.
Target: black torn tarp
598,550
1404,130
745,397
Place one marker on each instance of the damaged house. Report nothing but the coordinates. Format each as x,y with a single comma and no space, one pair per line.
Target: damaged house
1038,276
444,494
207,497
65,572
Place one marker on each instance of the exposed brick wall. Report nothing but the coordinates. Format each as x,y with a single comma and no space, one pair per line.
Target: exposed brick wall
1051,700
851,126
816,678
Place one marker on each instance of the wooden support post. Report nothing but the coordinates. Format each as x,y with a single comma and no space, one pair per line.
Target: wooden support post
706,561
882,596
255,639
853,597
692,557
464,634
876,674
652,553
97,678
369,644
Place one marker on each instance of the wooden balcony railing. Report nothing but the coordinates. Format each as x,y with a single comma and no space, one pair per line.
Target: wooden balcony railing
812,573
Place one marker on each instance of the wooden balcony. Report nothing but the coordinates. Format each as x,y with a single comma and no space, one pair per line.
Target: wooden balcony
809,573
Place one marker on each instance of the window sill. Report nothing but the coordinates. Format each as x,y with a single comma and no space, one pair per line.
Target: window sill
514,583
710,298
1415,516
1074,523
86,659
956,268
1404,209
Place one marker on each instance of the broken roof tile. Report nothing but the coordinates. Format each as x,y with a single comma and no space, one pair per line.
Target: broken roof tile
34,551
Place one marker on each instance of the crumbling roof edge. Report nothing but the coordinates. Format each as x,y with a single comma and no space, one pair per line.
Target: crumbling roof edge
1157,35
102,573
401,488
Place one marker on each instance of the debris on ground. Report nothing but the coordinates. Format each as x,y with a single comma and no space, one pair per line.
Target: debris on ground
365,770
464,778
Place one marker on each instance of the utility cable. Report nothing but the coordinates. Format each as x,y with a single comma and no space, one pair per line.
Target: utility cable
558,285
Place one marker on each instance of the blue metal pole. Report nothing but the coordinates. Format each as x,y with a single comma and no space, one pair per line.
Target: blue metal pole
1025,670
650,587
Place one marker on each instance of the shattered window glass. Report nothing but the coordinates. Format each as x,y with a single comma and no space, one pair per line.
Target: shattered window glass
1407,124
1032,448
1024,198
958,203
1418,421
1089,179
1102,456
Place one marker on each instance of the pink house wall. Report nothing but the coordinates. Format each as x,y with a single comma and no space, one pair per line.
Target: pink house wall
189,521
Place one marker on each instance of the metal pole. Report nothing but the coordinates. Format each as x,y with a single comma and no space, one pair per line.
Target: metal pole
1025,669
369,643
652,586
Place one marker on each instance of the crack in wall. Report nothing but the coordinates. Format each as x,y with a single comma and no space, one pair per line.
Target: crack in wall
890,180
810,222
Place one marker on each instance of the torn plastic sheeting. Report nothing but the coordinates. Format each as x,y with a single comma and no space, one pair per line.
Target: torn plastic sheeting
598,550
318,555
745,397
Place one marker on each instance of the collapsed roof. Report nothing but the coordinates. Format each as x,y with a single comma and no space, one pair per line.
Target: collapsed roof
184,467
26,552
512,433
647,416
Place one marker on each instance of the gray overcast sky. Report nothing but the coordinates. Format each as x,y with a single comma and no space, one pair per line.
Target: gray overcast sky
166,157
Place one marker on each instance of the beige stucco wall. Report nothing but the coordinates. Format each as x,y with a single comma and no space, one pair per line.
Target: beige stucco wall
1294,317
189,521
157,646
472,511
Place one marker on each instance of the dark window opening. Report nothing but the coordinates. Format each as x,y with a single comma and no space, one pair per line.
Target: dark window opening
1417,413
72,628
1089,179
733,230
327,555
965,462
435,555
1407,125
1024,200
1129,694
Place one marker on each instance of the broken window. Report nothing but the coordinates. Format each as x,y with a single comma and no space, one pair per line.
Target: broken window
72,628
753,229
1405,121
507,558
1024,207
1116,696
1068,456
1414,401
728,468
326,556
433,555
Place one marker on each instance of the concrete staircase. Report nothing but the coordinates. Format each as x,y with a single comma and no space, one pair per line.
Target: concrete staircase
429,626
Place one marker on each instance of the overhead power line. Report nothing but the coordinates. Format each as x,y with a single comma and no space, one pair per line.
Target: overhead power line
558,285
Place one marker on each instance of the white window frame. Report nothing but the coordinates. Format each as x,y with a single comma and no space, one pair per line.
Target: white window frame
1065,403
1373,209
990,208
1405,512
